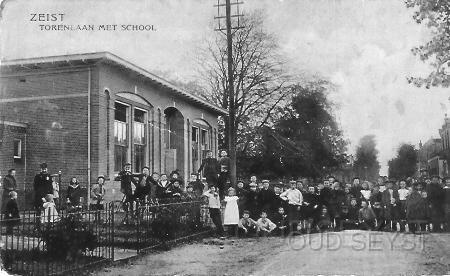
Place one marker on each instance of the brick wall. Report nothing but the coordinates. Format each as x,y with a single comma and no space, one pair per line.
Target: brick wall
57,128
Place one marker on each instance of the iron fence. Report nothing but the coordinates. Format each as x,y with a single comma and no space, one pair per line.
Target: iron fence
49,243
46,243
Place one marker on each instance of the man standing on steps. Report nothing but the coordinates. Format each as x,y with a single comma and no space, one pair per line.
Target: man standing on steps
210,167
126,178
224,163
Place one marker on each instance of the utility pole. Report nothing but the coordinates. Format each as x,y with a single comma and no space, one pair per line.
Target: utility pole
231,95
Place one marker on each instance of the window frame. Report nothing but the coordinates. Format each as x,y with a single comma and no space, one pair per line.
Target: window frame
19,148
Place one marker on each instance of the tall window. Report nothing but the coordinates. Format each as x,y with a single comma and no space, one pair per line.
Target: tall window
204,142
17,149
120,135
139,139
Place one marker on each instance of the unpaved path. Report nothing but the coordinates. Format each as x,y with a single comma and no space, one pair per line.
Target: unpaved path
347,252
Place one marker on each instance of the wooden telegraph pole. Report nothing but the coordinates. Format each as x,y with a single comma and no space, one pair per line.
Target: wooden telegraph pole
231,95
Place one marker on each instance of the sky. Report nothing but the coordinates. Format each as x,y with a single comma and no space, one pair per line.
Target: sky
362,46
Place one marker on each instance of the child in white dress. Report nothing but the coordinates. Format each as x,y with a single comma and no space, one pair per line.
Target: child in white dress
231,214
50,214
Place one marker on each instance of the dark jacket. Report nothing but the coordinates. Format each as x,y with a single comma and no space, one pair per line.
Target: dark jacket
12,210
42,186
280,220
435,196
143,187
337,200
324,196
416,207
164,192
9,184
198,187
224,163
126,179
252,204
390,209
266,200
210,166
74,194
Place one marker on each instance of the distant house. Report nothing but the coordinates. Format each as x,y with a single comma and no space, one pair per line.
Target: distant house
88,114
444,132
428,156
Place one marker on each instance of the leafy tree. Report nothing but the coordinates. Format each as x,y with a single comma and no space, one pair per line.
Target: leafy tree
436,15
305,139
366,162
405,163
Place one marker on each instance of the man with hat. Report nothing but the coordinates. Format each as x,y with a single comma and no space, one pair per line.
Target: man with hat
436,199
126,178
42,186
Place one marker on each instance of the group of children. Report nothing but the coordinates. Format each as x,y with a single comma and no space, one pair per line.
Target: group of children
261,210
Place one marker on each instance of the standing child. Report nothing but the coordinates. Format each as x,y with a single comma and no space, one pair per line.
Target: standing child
12,216
231,213
214,208
402,194
50,213
55,185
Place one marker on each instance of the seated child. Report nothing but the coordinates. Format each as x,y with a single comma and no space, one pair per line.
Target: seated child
12,216
265,226
350,219
50,214
246,225
176,189
281,221
366,217
324,221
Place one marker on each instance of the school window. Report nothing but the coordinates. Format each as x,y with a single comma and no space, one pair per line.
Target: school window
120,135
139,139
17,149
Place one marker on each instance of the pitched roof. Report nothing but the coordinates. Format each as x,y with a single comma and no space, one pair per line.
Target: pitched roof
109,58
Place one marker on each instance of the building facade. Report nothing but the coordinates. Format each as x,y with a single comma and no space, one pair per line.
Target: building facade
88,114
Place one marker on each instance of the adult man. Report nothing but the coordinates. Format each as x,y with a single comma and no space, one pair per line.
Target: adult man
126,179
436,199
224,176
9,185
210,167
42,186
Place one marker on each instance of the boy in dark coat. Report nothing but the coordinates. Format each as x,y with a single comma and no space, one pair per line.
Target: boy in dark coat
252,202
196,184
436,198
241,193
12,216
281,221
42,186
211,169
266,198
391,204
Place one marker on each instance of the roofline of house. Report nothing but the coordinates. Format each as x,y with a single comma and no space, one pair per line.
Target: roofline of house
107,56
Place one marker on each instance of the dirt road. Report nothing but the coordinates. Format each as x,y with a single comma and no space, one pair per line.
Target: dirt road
348,252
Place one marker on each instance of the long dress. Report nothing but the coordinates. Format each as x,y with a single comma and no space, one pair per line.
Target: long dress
231,214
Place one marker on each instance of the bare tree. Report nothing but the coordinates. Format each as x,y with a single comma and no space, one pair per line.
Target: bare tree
260,81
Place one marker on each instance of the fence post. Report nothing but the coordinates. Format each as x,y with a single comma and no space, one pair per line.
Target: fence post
111,214
138,236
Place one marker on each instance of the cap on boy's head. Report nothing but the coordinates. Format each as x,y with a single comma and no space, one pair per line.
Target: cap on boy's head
246,212
44,165
231,189
127,164
101,176
265,181
292,182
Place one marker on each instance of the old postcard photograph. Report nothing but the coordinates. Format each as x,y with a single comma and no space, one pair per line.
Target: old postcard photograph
225,137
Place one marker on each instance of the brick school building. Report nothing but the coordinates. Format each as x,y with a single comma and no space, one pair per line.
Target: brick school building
88,114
